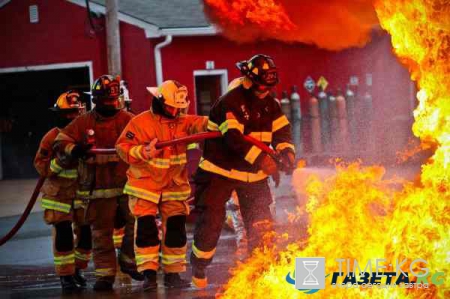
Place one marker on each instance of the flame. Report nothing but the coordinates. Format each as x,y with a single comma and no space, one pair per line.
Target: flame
358,213
332,24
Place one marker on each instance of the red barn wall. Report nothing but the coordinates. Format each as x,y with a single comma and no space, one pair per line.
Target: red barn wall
60,37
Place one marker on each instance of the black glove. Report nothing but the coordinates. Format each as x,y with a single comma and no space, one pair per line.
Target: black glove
80,151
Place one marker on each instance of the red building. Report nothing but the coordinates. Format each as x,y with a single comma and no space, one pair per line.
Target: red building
49,46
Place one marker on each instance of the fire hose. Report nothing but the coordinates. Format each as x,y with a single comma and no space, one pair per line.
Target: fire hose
98,151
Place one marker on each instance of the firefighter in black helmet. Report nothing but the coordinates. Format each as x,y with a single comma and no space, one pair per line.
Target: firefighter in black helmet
102,178
230,163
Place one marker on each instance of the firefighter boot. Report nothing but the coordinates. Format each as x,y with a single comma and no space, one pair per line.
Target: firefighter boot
79,278
173,280
129,268
149,280
104,284
199,279
68,283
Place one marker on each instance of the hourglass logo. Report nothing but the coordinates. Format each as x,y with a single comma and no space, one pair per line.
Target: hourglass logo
310,273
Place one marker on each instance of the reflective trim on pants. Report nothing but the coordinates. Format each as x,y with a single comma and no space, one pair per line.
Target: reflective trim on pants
203,254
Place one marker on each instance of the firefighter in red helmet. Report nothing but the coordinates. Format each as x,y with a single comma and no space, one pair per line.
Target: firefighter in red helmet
230,163
58,199
102,177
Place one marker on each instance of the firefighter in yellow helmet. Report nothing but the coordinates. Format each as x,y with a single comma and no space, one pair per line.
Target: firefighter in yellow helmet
58,199
158,182
101,177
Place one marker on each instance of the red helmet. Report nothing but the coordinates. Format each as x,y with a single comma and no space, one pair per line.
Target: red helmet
260,69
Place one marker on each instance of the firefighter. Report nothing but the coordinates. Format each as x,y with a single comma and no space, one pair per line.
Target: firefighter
230,163
60,208
101,177
158,182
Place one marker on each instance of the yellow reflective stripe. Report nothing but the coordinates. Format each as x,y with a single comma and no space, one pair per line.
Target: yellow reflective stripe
178,160
82,256
284,145
279,123
173,259
159,163
233,173
77,204
117,238
135,152
100,193
231,124
145,258
64,260
141,193
202,254
105,272
51,204
182,195
55,167
252,154
68,174
212,126
262,136
192,146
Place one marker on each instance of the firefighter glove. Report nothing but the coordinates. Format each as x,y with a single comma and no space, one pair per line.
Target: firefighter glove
149,151
268,165
288,161
80,151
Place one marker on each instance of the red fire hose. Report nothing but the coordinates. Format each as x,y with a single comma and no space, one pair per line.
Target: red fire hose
193,139
25,214
98,151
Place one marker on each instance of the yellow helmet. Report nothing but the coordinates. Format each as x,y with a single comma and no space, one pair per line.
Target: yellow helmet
171,93
67,101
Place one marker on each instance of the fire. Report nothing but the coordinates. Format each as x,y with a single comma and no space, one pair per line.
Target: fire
332,24
358,213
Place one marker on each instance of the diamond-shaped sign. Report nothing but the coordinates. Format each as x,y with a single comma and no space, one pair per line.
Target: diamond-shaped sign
322,82
309,84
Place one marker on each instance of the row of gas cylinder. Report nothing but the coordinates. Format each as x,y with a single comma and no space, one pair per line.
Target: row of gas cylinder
335,124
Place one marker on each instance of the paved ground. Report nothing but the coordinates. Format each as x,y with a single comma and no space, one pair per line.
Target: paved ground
26,265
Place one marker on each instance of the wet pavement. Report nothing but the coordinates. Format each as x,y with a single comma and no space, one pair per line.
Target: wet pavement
26,261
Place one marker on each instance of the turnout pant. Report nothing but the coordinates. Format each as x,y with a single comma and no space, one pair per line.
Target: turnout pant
147,243
68,252
124,234
100,215
212,193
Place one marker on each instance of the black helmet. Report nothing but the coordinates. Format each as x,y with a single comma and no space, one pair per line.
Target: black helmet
260,69
106,87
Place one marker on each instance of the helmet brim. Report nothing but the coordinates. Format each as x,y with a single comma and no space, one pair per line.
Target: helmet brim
153,91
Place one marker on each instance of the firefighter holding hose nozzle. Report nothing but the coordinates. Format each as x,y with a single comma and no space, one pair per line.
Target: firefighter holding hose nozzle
102,178
158,182
231,163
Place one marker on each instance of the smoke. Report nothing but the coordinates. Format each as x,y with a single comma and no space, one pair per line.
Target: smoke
330,24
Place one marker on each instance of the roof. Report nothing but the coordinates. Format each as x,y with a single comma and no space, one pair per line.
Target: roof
164,13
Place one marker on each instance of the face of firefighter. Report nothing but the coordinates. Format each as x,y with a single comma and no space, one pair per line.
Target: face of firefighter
261,91
172,111
106,106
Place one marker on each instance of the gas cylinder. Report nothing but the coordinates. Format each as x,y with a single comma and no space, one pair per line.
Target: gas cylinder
295,104
286,105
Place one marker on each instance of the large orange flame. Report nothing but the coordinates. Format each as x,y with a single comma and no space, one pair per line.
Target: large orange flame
332,24
357,213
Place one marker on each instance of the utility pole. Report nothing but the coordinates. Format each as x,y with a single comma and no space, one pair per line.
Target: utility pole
113,37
